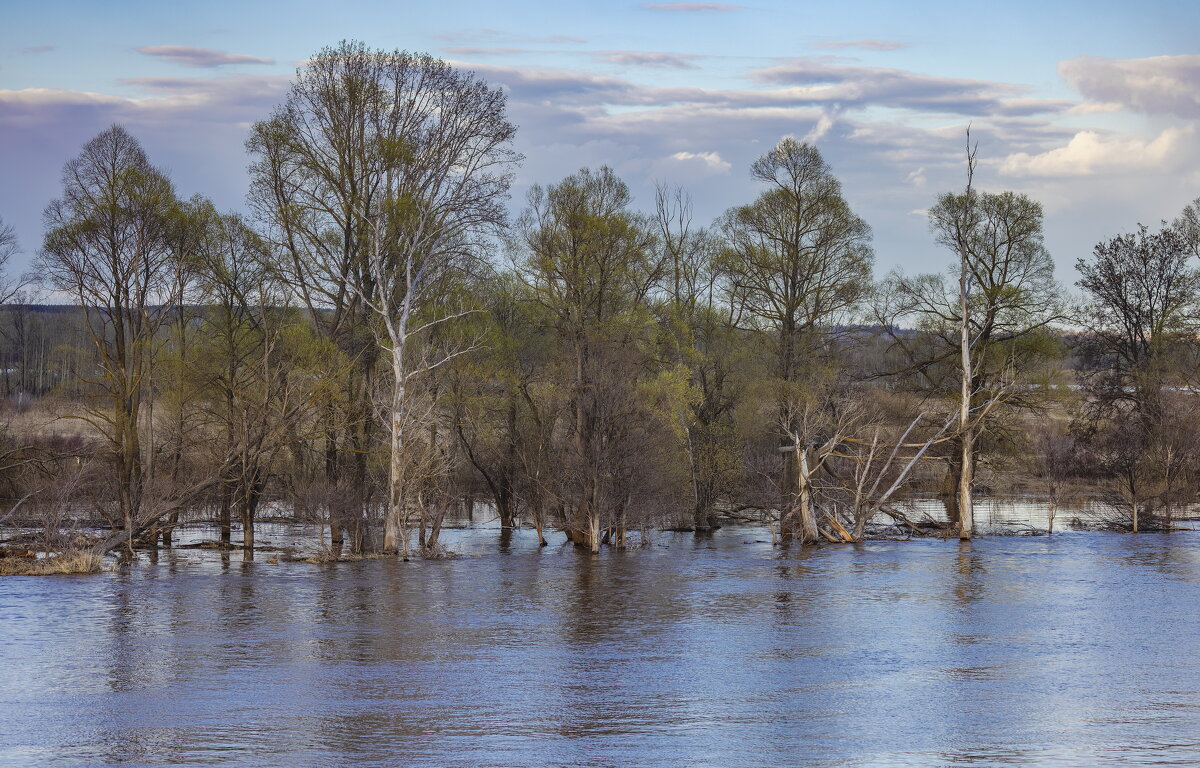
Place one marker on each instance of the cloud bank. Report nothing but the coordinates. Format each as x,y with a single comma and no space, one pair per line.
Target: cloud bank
1161,85
894,136
199,57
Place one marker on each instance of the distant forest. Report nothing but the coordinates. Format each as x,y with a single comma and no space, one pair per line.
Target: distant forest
376,346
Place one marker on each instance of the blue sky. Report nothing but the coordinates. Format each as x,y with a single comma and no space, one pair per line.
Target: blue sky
1091,108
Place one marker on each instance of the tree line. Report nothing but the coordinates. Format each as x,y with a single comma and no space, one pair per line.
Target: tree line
374,346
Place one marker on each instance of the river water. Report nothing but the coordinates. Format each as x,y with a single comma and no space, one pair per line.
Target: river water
1076,650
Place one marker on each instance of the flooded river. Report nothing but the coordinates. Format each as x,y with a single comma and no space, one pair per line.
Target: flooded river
1075,650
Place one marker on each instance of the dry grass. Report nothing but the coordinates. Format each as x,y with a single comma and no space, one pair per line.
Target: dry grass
51,416
325,555
69,562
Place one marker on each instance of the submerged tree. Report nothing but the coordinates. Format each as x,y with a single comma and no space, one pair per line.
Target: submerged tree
245,366
984,333
797,260
381,173
698,337
590,264
108,246
1142,319
314,174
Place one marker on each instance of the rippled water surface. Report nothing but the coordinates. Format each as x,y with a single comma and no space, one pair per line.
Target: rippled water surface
1078,649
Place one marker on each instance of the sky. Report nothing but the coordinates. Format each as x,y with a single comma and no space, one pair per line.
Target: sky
1089,107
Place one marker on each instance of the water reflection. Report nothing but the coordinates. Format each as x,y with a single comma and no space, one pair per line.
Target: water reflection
714,651
969,574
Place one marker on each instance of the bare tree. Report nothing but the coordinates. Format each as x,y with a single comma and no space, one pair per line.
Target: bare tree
249,391
9,247
982,339
316,171
1141,314
958,220
107,246
879,471
410,191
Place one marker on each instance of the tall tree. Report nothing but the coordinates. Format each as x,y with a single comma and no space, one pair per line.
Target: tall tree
243,365
382,173
983,327
1142,320
315,172
498,400
797,260
698,336
590,264
107,245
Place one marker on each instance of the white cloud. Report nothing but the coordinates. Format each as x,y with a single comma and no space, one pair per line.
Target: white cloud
1095,108
711,160
1091,153
892,160
819,79
819,131
474,50
496,35
808,82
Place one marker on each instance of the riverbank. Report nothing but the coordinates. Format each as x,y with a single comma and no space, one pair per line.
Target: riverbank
281,539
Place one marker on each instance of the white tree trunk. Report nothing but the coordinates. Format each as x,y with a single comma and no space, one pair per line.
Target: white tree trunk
395,527
808,521
966,510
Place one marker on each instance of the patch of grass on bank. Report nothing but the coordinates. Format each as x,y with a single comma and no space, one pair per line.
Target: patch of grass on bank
69,562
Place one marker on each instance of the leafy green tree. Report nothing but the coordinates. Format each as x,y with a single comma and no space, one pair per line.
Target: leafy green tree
697,336
590,264
797,261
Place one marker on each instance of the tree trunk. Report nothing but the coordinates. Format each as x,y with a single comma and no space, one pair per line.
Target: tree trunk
504,508
808,520
966,510
788,511
247,531
225,513
703,515
593,532
129,462
395,529
337,538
